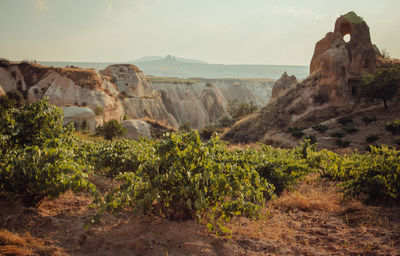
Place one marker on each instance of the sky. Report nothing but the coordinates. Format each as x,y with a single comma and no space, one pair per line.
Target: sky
274,32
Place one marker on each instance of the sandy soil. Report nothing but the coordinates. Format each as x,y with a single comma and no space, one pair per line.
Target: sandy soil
313,219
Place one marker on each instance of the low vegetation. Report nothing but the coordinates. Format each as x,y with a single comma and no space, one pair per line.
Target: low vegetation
371,138
393,127
177,176
111,129
238,110
320,128
367,119
296,132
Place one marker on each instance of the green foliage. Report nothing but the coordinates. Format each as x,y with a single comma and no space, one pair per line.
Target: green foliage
17,96
296,132
207,132
345,120
376,174
111,129
383,84
98,111
342,143
352,17
311,138
238,110
37,154
320,128
185,178
181,177
185,127
350,129
367,119
393,127
371,138
397,140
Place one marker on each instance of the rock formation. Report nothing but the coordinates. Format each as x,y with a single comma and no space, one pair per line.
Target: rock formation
90,98
335,68
137,129
341,63
282,85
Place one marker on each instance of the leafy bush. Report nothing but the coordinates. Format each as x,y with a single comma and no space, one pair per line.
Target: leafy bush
320,128
350,129
17,96
393,127
207,132
111,129
397,140
98,111
37,155
342,143
312,139
238,110
296,132
183,179
371,138
185,127
345,120
376,174
367,119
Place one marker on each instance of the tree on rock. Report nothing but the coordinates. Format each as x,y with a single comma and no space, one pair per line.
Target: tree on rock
111,129
383,84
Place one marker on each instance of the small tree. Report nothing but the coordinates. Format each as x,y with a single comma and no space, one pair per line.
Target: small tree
111,129
383,84
238,110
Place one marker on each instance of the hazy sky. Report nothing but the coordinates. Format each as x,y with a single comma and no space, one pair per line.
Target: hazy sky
216,31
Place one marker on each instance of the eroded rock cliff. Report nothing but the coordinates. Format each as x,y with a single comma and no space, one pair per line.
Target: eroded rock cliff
335,68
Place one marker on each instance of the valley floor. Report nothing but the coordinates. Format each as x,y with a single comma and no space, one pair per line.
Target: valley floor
312,219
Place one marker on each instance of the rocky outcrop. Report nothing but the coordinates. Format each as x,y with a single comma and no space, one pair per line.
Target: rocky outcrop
335,68
341,63
83,118
124,91
283,85
137,129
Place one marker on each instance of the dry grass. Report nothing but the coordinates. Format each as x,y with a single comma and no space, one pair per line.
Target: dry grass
15,245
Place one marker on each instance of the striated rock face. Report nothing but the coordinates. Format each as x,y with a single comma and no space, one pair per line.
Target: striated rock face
137,129
335,68
123,90
341,63
284,84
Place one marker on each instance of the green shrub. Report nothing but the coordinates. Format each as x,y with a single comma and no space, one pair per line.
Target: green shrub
350,129
367,119
342,143
312,139
111,129
371,138
98,111
207,132
320,128
37,155
226,121
296,132
186,178
397,140
393,127
185,127
238,110
345,120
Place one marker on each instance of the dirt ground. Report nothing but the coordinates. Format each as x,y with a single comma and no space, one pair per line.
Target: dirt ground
312,219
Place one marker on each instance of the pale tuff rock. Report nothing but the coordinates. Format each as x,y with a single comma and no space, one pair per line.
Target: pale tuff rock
84,118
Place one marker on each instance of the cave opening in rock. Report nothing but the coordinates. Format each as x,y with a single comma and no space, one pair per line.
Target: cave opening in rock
347,38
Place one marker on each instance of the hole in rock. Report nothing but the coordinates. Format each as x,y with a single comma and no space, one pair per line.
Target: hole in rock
347,38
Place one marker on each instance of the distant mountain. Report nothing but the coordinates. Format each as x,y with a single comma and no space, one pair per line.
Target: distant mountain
168,58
